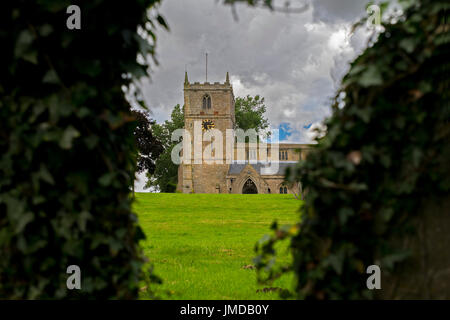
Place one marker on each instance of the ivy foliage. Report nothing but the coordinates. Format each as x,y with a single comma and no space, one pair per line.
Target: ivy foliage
67,151
385,153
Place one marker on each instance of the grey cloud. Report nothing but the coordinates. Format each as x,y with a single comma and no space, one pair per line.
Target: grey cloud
287,58
291,59
338,11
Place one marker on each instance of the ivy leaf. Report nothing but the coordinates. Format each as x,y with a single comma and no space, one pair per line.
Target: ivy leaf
45,30
25,219
45,175
23,43
50,77
370,77
91,141
30,57
106,179
83,217
408,44
356,69
67,138
344,214
162,22
336,261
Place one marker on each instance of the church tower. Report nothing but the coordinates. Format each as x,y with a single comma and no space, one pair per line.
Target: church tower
209,106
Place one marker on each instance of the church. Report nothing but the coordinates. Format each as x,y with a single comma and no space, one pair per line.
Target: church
213,106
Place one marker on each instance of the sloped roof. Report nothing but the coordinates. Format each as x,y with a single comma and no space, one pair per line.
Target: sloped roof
236,168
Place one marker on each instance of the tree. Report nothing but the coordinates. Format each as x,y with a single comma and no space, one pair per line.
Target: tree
380,173
67,151
149,148
249,112
165,175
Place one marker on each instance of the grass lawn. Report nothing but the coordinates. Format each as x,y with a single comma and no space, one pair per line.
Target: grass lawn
200,242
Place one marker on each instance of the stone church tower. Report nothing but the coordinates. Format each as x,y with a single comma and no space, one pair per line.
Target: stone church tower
211,106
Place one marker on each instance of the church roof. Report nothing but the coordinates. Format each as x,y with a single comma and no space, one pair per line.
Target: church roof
236,168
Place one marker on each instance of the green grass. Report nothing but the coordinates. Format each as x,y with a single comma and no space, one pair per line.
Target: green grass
200,242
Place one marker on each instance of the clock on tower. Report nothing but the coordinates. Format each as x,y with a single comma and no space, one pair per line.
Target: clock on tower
207,124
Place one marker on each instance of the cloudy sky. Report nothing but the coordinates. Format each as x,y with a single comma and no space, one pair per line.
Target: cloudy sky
294,60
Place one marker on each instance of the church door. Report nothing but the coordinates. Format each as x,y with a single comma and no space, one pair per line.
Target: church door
249,187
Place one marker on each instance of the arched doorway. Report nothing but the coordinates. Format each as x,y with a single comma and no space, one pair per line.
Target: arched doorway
249,187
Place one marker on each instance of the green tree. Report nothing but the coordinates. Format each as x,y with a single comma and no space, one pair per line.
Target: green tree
383,161
148,147
165,175
67,150
249,112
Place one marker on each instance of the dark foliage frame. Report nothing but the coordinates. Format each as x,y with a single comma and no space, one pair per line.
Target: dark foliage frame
67,151
386,151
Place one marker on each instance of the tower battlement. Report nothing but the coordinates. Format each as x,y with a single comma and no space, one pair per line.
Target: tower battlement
207,85
209,99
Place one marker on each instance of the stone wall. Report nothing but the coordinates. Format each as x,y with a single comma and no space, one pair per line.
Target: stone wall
209,178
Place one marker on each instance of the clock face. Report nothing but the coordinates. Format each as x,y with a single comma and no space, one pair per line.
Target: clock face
207,124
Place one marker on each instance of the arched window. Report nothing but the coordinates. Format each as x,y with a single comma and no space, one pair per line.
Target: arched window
285,190
206,102
281,189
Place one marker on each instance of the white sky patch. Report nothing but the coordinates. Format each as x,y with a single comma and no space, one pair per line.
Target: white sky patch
338,40
238,88
309,26
311,133
289,113
139,183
